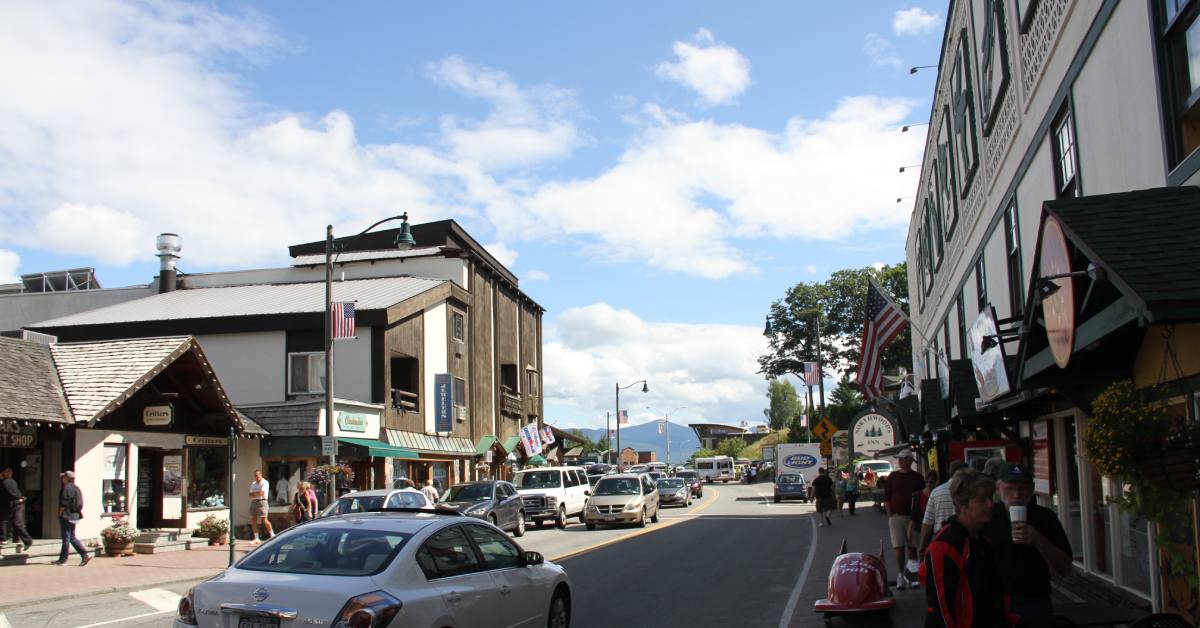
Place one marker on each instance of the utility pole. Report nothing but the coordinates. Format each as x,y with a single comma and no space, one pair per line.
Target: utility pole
331,491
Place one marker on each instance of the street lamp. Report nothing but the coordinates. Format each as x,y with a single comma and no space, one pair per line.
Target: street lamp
619,388
918,68
667,427
903,168
404,239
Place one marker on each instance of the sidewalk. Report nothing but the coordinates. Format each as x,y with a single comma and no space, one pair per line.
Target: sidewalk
862,533
27,584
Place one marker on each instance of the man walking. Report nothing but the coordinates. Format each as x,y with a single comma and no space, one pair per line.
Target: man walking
823,495
431,493
70,511
939,509
14,509
259,489
897,496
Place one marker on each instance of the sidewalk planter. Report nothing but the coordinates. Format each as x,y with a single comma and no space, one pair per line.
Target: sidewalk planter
118,548
220,540
215,529
118,538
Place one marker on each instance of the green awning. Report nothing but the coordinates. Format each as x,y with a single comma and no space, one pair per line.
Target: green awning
536,460
380,449
510,443
484,444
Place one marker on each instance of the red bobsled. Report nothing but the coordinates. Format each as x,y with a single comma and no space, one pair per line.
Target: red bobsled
858,583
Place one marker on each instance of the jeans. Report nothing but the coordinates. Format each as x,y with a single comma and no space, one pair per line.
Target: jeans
69,540
1035,612
16,519
851,498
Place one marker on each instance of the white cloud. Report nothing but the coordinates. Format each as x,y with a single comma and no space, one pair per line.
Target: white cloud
9,261
111,236
811,269
915,21
537,275
717,71
709,368
881,51
502,253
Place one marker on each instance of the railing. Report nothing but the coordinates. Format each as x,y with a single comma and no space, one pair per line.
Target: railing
404,401
510,403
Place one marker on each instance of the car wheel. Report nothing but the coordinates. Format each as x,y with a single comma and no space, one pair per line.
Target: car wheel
560,611
520,531
654,517
492,519
583,513
590,526
777,499
642,520
560,521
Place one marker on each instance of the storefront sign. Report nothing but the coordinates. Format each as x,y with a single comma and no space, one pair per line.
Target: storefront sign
1043,473
15,436
352,422
207,441
1059,307
991,374
172,485
872,432
159,415
443,400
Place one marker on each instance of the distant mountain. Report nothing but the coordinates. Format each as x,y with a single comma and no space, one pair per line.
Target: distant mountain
645,437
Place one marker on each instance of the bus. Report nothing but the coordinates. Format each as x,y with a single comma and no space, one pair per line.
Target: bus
715,469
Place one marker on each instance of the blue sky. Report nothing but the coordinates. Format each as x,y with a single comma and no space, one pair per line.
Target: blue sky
655,174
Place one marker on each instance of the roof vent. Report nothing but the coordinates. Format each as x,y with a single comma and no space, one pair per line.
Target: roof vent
168,245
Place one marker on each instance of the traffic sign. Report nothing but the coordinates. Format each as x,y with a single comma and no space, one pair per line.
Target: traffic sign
826,449
327,445
825,430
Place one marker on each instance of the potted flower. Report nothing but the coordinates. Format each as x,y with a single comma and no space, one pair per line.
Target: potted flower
118,537
340,473
215,529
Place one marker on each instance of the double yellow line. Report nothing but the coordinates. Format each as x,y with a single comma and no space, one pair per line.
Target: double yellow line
639,532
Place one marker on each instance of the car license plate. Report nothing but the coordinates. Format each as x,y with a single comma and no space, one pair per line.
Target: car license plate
609,517
258,621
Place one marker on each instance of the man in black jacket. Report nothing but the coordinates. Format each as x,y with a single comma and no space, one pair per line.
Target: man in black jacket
70,511
14,509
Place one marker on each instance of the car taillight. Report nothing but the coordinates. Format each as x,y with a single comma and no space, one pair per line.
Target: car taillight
369,610
187,609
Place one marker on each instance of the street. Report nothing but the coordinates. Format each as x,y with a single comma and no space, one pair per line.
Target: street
732,558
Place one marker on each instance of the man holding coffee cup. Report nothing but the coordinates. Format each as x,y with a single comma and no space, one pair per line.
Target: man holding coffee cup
1029,542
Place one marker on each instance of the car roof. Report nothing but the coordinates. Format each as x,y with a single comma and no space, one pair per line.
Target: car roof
379,492
624,476
393,521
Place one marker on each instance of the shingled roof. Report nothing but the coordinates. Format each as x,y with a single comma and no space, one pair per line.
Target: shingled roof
289,418
29,388
1142,239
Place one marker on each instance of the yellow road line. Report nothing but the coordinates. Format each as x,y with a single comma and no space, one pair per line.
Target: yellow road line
660,526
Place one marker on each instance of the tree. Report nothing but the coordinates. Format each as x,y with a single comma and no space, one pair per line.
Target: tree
840,305
731,446
844,402
797,433
586,443
703,452
785,403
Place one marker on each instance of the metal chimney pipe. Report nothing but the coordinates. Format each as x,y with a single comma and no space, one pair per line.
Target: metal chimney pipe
168,245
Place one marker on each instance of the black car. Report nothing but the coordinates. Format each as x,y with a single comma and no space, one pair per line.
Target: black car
693,480
599,468
495,501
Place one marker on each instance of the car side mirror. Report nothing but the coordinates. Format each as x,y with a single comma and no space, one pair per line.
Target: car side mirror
533,558
588,493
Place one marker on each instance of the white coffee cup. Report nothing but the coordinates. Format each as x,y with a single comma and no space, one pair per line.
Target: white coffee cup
1016,513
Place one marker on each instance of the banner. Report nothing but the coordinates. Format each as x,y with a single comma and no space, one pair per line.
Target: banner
531,439
547,436
443,393
662,427
623,417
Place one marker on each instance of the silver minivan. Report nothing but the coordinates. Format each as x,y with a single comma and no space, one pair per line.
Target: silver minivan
622,498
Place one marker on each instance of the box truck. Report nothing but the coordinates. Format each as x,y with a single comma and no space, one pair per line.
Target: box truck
802,458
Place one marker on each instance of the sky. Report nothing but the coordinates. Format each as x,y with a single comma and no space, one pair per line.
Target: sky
656,174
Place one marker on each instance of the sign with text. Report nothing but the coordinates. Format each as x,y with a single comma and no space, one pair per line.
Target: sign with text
159,415
443,402
18,437
826,449
206,441
352,421
871,432
768,453
172,482
1043,471
328,446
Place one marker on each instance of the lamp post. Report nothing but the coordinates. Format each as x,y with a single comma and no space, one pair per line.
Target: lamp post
619,388
404,239
667,428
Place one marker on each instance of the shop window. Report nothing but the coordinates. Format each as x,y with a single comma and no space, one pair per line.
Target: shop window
1179,43
460,399
114,487
1012,248
406,384
962,325
981,283
1101,523
1066,162
306,373
1072,515
440,473
532,378
284,476
208,476
458,325
1136,552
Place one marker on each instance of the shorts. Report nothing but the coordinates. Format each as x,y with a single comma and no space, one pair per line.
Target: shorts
826,504
258,508
898,525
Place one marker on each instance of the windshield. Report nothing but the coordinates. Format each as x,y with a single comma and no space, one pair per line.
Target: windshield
468,493
357,504
790,478
687,475
878,466
327,551
537,479
618,486
670,483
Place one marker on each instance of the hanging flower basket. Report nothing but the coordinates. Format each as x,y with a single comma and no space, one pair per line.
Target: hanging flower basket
1176,464
341,473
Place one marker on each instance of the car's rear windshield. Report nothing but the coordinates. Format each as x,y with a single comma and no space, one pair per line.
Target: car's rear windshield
357,504
537,479
327,551
878,466
790,478
685,474
670,483
618,486
468,492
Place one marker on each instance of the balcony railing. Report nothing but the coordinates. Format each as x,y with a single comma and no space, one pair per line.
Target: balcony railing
510,403
404,401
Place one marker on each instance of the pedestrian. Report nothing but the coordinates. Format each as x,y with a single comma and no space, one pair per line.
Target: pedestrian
311,496
919,501
897,498
70,511
402,482
823,495
939,509
430,491
259,489
1030,543
962,580
14,510
302,510
852,484
839,490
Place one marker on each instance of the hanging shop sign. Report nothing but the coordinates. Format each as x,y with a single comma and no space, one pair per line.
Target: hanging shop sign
1059,307
871,432
159,415
206,441
16,436
352,421
443,400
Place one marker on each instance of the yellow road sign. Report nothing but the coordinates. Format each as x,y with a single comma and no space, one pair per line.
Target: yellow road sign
826,449
825,430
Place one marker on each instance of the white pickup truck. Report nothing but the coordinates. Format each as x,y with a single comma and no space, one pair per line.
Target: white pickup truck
553,494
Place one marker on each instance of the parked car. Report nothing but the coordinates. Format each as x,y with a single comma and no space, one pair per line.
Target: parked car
693,480
494,501
599,468
623,498
552,494
674,492
429,570
791,486
638,468
656,475
365,501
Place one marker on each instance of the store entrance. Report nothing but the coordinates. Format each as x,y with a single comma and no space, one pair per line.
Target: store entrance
159,488
26,465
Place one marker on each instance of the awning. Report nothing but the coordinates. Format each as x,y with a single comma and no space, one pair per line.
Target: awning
574,452
380,449
429,443
536,459
510,443
484,444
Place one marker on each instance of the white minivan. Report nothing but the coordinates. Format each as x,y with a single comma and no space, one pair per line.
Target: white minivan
553,494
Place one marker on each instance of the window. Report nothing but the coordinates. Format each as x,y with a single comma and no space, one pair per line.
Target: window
407,499
448,554
572,479
114,486
458,325
284,476
946,339
1066,173
943,172
995,64
1012,250
497,551
328,552
962,325
1179,42
508,377
936,235
460,399
306,373
966,149
406,384
531,377
981,283
209,476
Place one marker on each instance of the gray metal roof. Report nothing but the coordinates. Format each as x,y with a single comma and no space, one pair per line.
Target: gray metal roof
29,389
429,443
253,300
359,256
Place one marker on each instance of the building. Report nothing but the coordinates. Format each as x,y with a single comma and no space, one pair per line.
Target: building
710,435
1049,249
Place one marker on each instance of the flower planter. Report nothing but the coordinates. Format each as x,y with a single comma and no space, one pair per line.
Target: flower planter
218,540
118,548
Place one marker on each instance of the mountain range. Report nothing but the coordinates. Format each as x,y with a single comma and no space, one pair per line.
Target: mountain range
645,437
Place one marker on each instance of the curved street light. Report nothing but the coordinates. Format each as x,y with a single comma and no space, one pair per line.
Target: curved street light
619,388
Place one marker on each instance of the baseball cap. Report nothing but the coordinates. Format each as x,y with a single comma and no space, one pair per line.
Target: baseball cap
1016,472
70,475
907,453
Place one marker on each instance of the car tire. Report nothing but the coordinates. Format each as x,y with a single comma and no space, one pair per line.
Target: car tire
560,521
492,519
654,517
559,614
642,520
590,526
583,513
520,529
776,500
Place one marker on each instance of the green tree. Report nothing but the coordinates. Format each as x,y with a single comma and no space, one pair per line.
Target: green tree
797,433
703,452
785,403
731,446
844,402
839,303
586,443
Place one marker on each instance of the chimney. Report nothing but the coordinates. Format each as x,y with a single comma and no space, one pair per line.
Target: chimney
169,245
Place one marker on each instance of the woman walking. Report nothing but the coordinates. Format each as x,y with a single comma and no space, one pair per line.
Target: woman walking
302,508
852,484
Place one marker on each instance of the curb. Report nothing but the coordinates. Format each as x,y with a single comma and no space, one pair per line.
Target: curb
115,589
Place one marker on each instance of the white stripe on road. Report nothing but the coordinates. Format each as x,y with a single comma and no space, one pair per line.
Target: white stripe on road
158,599
794,599
4,622
124,619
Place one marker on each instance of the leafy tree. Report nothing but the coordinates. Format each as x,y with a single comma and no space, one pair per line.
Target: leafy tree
785,403
731,446
839,306
703,452
797,433
844,402
586,443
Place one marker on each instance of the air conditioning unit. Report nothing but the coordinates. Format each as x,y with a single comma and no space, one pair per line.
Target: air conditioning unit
460,348
461,415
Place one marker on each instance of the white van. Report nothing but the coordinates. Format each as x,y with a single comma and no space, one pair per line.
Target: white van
715,469
553,494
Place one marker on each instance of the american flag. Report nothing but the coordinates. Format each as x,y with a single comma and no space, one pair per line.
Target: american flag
812,373
343,320
885,321
623,417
